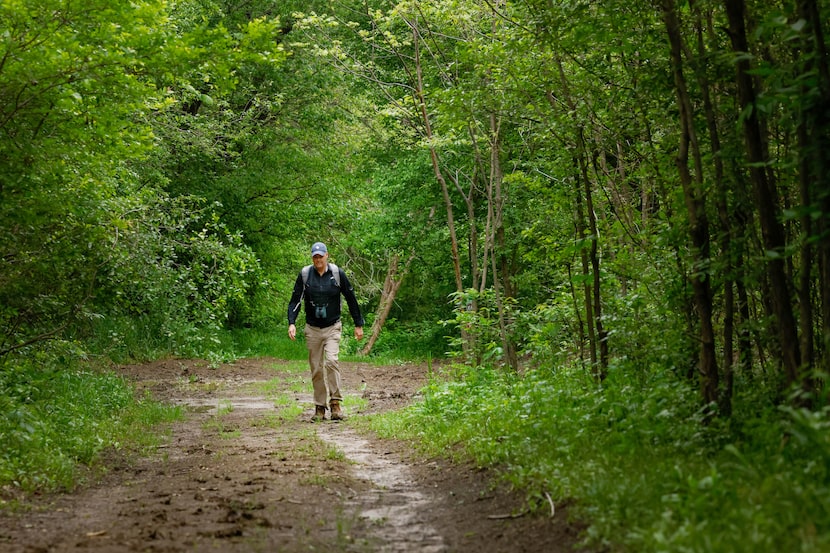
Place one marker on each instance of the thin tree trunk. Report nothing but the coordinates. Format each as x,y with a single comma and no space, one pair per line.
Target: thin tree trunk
495,203
601,370
596,338
744,331
581,236
805,282
391,285
580,324
696,208
814,135
436,167
727,238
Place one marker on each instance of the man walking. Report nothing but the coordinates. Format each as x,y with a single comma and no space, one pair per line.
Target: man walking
320,286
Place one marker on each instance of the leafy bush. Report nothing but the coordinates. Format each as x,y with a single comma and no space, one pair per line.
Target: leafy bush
173,278
476,316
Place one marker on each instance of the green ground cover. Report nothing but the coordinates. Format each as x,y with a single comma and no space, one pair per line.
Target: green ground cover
636,458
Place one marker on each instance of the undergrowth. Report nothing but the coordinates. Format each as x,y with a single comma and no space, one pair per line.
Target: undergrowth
59,416
636,458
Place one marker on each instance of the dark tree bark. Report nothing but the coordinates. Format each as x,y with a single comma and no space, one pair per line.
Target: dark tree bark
602,335
495,216
727,239
693,194
597,336
765,196
814,143
582,235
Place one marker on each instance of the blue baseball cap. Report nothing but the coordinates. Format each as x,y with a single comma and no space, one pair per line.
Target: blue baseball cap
318,249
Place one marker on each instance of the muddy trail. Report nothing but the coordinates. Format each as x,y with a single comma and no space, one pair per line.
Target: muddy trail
244,471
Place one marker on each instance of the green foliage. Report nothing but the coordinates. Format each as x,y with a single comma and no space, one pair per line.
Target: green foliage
58,418
644,471
477,316
99,106
411,340
173,277
164,167
67,100
270,342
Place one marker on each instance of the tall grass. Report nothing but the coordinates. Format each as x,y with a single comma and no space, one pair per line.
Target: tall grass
644,470
60,416
249,342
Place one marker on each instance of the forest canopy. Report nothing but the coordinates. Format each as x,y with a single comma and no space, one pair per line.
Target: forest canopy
634,190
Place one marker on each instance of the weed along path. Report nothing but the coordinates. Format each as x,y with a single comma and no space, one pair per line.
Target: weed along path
244,471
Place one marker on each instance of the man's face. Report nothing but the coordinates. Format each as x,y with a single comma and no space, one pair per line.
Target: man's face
320,262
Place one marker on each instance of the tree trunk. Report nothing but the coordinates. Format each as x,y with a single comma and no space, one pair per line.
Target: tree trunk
387,298
766,197
727,239
601,371
696,208
439,175
436,167
814,138
581,235
495,204
596,336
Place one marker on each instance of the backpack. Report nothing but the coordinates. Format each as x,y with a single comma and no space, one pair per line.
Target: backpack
335,274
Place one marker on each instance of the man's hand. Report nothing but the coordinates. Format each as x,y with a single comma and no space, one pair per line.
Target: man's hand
292,332
358,333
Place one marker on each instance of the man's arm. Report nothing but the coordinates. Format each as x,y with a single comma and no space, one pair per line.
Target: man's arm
294,306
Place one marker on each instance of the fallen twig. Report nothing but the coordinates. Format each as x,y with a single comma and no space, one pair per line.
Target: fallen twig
552,507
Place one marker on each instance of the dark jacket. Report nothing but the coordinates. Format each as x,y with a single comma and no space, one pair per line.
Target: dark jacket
322,299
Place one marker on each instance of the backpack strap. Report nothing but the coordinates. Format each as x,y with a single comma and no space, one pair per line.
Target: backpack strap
335,273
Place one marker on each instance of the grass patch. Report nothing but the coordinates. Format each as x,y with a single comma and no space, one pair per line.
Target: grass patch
354,404
646,473
268,420
59,418
288,408
259,343
290,412
218,425
331,453
284,400
300,385
319,480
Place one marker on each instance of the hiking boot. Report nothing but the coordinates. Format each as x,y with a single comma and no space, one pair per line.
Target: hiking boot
336,413
319,413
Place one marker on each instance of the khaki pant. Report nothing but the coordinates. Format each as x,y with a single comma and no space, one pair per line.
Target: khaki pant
323,359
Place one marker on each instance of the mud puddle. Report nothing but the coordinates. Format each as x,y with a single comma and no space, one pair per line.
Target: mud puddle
394,505
212,406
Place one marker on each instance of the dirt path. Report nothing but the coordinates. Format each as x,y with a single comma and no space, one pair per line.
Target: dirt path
245,472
